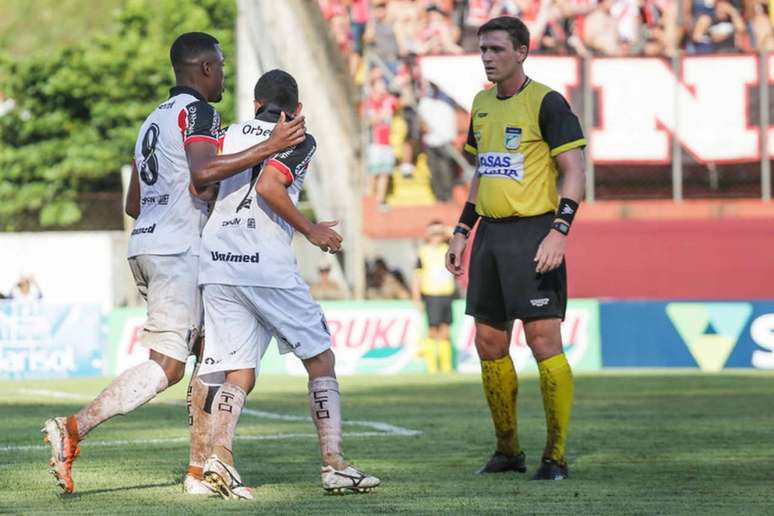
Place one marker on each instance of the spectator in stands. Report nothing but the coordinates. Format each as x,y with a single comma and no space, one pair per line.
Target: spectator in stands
660,33
600,30
326,289
384,283
380,108
381,37
438,36
718,27
439,128
757,12
26,289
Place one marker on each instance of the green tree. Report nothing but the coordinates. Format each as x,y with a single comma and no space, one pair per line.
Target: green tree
78,110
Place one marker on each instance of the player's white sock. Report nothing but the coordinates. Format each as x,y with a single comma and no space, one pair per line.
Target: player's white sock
132,388
325,404
226,409
199,423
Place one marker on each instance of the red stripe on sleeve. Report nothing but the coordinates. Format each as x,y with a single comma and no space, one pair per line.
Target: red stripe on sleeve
281,167
200,138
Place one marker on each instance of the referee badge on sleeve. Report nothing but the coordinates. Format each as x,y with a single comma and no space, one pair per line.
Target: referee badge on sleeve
512,137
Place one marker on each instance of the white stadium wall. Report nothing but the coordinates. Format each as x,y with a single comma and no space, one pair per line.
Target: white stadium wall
641,104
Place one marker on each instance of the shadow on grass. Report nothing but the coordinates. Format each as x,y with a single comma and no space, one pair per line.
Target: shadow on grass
80,494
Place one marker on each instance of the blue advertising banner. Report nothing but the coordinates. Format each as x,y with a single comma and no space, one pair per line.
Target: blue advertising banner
709,335
48,340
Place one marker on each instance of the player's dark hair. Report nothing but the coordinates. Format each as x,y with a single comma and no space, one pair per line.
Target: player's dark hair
515,28
190,47
277,87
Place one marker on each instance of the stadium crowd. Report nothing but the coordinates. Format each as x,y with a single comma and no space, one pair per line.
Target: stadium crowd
383,39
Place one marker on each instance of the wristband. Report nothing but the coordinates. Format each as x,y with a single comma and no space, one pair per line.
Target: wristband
567,210
469,215
461,230
561,226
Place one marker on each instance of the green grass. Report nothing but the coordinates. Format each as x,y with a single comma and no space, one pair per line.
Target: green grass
639,444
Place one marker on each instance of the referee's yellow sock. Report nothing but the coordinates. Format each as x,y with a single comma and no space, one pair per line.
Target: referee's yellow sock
556,385
500,387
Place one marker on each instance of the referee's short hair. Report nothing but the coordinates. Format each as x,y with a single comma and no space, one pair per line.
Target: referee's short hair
515,28
277,87
188,48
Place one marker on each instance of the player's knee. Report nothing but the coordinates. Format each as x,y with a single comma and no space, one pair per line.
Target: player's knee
323,364
174,373
544,346
490,345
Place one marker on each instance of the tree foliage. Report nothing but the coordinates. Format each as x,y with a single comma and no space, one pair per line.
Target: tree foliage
77,111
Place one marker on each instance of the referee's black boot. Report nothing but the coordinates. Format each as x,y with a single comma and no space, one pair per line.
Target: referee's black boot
501,462
551,470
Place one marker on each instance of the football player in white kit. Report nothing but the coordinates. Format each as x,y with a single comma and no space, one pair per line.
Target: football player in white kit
252,290
175,161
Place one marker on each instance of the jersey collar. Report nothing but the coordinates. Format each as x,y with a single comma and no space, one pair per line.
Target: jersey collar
526,82
179,90
270,113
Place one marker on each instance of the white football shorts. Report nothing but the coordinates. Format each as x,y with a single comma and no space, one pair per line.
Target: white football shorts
169,285
241,321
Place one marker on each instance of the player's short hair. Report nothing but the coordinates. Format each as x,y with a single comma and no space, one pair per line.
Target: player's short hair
515,28
190,47
277,87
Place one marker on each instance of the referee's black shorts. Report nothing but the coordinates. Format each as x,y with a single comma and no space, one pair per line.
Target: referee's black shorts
502,283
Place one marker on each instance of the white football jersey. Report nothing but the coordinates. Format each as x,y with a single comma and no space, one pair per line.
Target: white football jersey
171,218
245,242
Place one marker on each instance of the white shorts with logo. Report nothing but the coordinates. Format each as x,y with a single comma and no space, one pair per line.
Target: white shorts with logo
169,285
241,321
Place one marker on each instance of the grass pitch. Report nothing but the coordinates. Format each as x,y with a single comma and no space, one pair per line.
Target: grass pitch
639,444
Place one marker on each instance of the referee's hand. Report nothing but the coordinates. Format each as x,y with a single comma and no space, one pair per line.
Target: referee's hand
454,254
550,252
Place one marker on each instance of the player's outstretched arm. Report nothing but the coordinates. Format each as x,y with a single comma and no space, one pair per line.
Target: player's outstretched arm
273,185
132,206
208,168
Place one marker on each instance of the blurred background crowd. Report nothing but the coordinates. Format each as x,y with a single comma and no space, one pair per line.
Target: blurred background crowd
416,131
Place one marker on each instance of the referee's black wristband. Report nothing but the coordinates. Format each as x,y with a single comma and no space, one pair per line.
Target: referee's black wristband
469,215
567,210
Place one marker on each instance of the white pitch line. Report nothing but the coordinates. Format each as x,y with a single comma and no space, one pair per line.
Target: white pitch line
383,429
169,440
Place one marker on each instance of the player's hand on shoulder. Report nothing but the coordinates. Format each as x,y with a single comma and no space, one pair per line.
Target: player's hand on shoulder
454,254
550,252
287,134
324,237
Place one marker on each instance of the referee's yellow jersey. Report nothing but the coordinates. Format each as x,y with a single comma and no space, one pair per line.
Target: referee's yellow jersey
516,139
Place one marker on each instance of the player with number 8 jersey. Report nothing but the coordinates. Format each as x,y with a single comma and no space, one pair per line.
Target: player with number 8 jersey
175,169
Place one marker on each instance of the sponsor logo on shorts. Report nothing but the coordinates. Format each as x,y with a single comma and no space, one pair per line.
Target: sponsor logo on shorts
543,301
146,229
235,258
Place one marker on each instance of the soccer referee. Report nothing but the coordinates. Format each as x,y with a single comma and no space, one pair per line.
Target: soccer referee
522,133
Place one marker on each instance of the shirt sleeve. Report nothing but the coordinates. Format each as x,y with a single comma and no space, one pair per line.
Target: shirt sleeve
559,125
199,122
471,145
293,161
